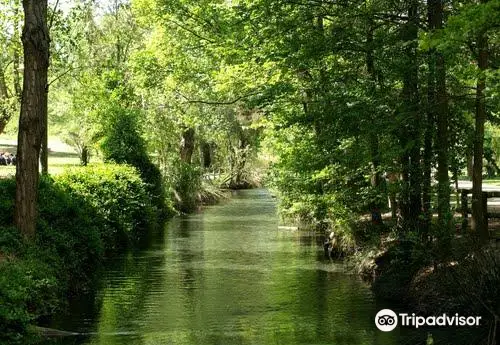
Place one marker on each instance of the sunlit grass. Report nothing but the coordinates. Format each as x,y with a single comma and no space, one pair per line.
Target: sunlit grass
56,165
60,157
494,181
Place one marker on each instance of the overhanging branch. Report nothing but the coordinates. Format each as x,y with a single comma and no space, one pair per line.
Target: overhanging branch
230,102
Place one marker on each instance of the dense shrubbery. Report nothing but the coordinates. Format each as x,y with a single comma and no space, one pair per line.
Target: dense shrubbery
190,189
187,185
83,214
29,288
316,193
122,143
118,197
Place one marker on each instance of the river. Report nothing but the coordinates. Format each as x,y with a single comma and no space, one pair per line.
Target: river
229,275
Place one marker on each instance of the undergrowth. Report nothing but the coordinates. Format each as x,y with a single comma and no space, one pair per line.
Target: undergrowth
84,215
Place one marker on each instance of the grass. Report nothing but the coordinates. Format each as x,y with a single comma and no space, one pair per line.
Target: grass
486,180
61,156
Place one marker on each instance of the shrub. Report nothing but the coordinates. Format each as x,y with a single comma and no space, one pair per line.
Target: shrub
14,294
187,186
122,143
29,288
118,197
69,228
10,241
82,213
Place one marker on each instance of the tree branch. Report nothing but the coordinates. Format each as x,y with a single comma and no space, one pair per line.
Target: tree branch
198,101
64,73
191,31
53,14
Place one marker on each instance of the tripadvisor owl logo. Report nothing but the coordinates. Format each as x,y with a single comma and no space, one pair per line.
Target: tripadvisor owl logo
386,320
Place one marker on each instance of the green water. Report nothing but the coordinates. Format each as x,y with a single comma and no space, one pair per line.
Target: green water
230,275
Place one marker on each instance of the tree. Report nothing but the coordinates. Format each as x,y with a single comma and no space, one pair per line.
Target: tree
440,103
479,224
36,43
467,36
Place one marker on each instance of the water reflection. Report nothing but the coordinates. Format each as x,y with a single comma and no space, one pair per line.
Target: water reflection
229,275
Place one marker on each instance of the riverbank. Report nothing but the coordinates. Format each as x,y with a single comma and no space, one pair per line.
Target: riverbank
429,279
85,215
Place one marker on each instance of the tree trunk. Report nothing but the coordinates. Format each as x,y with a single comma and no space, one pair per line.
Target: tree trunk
84,157
373,137
36,42
187,145
241,154
206,151
5,112
470,165
478,212
428,135
44,152
411,205
17,57
442,123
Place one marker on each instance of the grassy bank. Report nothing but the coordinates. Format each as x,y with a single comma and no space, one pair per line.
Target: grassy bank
85,214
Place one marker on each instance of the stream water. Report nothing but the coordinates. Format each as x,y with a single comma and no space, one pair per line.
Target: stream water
229,275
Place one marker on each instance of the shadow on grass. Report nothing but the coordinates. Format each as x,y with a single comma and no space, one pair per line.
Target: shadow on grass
58,154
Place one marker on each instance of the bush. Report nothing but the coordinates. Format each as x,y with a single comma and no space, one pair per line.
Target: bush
14,294
69,228
29,288
122,143
187,186
118,197
83,213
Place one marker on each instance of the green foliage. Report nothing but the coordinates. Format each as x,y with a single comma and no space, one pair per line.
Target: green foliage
10,238
32,285
74,229
187,186
17,286
35,277
122,143
83,214
118,197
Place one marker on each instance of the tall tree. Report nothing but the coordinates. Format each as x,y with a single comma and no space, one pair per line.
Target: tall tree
411,203
478,211
36,43
438,109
